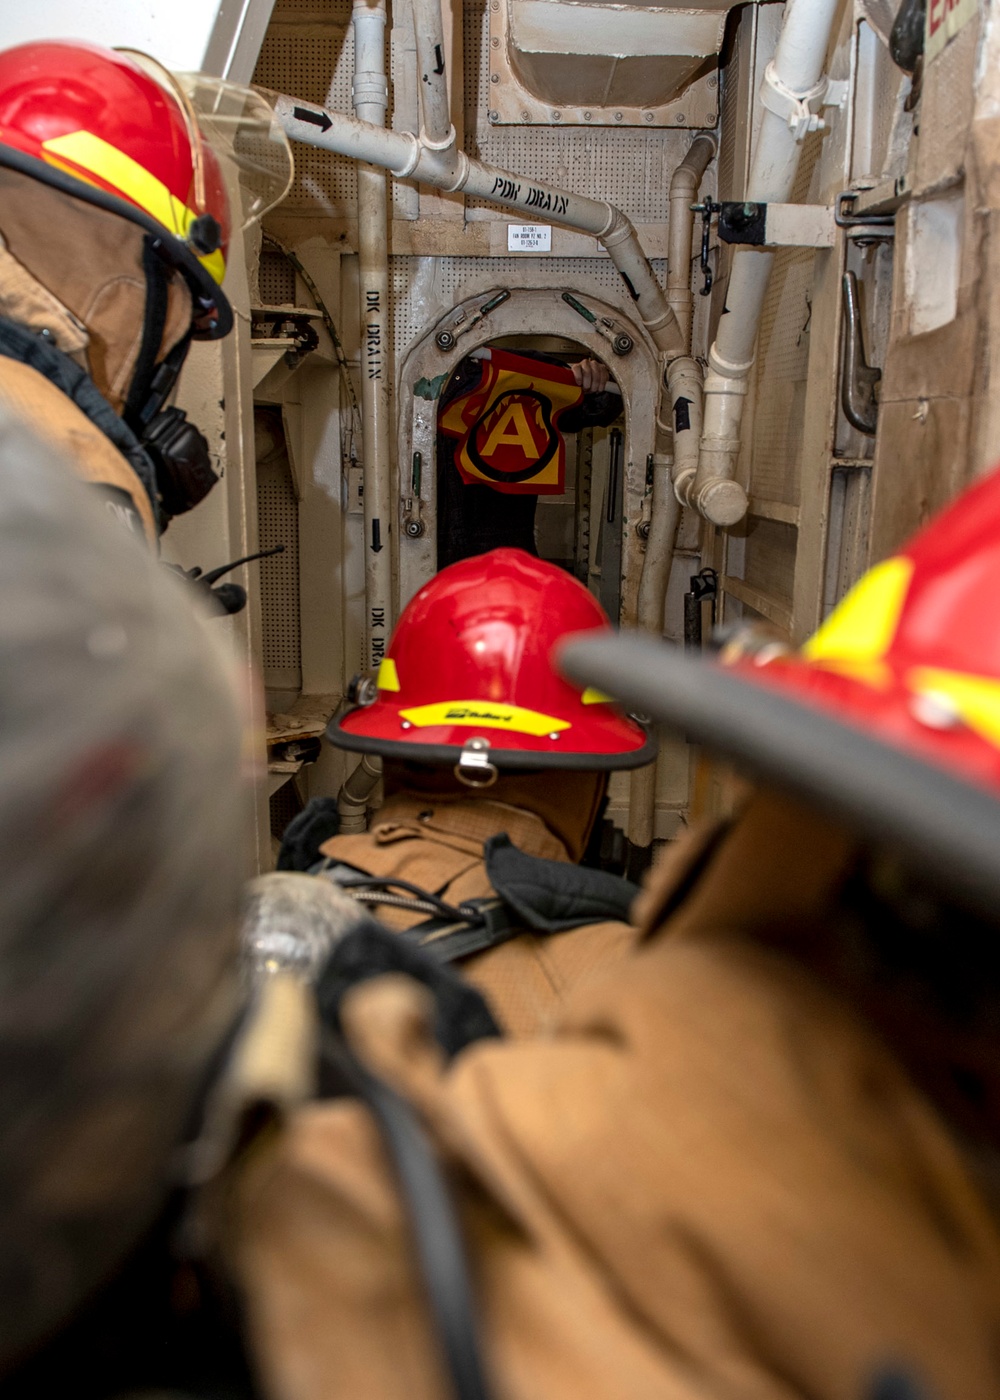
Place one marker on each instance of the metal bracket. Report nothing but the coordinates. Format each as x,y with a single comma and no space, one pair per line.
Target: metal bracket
857,385
777,225
413,526
863,229
801,110
706,209
448,338
621,343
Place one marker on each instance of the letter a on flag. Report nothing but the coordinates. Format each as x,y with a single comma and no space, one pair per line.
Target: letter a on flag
507,425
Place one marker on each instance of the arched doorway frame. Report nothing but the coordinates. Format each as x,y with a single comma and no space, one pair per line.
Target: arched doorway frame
426,369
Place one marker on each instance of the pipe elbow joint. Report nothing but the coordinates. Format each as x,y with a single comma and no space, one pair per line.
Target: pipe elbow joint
617,230
445,144
683,484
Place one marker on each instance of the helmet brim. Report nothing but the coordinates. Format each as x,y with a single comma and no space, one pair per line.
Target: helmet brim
947,827
175,252
445,745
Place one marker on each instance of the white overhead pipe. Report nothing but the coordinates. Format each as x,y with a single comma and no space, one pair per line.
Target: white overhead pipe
452,170
792,94
371,101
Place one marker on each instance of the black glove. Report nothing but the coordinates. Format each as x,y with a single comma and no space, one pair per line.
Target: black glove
461,1013
304,834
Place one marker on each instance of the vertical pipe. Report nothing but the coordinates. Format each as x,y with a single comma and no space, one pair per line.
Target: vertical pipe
437,132
371,100
794,72
665,514
684,386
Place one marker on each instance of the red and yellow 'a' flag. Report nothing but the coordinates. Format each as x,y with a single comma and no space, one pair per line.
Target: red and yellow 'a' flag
507,426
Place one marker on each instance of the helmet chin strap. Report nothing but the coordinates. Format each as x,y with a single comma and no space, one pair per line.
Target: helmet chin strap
152,383
179,451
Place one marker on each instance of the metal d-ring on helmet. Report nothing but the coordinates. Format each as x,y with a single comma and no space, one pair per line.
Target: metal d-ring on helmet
467,679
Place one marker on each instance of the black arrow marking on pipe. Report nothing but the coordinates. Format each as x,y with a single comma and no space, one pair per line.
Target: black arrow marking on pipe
306,114
440,58
376,537
682,416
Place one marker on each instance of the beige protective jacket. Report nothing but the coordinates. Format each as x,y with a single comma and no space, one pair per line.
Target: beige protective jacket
56,419
438,845
711,1181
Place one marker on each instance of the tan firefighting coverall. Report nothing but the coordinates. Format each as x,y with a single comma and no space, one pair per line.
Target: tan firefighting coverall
711,1180
436,842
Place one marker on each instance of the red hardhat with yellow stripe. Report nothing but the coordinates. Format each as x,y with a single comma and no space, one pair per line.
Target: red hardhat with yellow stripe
117,130
467,678
889,716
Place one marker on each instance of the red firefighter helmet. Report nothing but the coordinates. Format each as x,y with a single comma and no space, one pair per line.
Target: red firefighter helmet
467,677
890,714
120,132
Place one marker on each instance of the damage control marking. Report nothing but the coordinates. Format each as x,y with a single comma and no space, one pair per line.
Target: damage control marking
479,714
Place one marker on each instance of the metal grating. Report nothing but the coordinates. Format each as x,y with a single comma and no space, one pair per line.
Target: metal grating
278,523
309,53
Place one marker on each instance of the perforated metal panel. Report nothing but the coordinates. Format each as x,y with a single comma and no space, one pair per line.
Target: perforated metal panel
278,522
422,289
309,52
276,279
631,168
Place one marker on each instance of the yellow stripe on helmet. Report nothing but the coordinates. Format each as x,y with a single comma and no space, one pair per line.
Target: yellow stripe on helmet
484,714
388,676
80,151
860,630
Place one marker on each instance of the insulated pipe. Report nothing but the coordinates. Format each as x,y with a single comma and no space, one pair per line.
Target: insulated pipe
452,170
371,100
357,788
436,132
793,80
